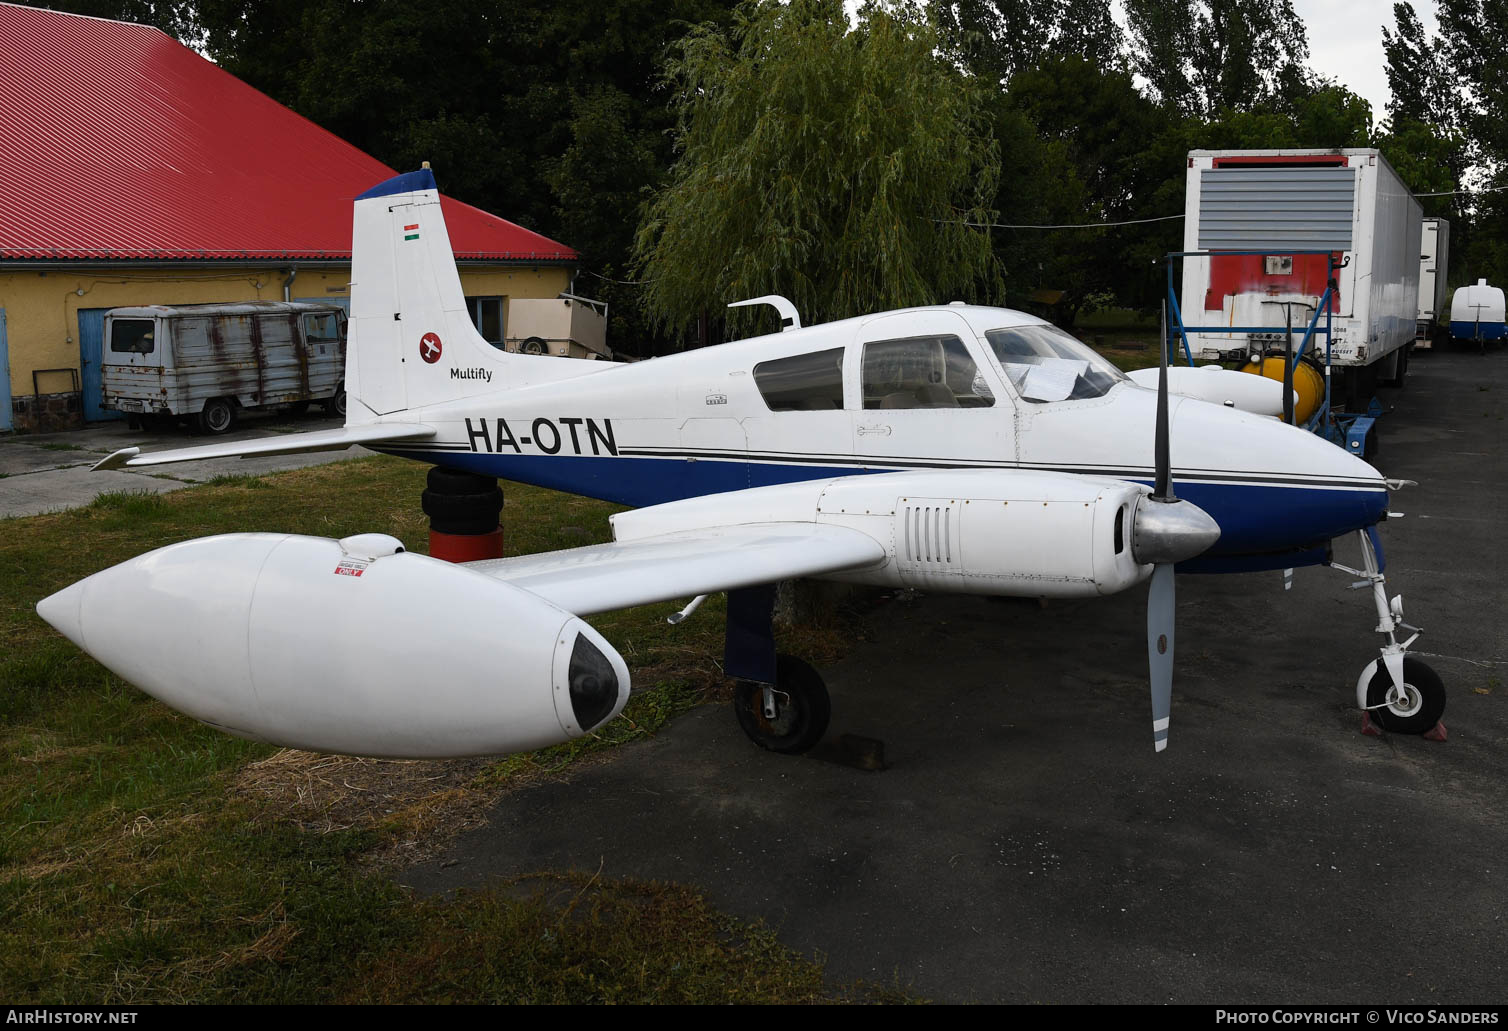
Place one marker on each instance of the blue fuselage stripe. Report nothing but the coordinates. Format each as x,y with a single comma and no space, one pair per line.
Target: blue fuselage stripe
1256,519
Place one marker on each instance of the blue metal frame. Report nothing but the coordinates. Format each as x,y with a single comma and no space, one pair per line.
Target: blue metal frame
1343,429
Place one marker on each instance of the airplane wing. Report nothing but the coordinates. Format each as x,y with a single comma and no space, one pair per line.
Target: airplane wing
290,444
603,577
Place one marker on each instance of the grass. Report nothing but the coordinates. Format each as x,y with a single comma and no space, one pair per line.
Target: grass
147,858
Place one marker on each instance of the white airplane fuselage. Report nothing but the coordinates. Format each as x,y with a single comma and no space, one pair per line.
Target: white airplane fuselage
697,423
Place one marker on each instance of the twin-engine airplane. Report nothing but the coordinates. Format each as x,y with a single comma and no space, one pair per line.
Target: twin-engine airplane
999,456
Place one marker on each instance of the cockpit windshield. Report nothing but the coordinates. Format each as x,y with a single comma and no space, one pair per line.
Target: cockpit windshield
1047,364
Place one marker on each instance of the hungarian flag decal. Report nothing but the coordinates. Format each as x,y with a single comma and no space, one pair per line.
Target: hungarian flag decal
411,232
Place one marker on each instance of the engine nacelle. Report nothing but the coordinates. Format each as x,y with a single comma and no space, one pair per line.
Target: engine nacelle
347,646
1037,534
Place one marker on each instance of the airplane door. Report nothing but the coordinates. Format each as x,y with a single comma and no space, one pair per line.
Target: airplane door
796,420
715,450
923,394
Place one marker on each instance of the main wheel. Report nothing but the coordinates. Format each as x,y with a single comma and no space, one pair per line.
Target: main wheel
219,415
1414,710
802,708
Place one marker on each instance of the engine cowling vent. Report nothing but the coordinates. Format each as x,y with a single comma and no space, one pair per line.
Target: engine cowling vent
929,537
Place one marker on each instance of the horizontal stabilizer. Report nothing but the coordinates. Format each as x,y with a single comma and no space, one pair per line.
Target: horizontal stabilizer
289,444
604,577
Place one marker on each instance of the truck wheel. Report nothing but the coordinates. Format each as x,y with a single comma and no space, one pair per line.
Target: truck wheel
218,417
335,404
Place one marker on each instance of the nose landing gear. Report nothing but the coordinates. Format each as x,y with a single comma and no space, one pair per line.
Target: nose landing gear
1395,691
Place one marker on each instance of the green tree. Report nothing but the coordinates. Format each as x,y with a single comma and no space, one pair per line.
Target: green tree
1122,162
837,167
1422,84
1474,38
996,39
1200,57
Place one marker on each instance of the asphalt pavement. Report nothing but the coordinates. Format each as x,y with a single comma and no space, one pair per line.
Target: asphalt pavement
1027,845
48,472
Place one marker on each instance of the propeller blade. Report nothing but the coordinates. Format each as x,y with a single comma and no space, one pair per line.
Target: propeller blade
1163,487
1160,650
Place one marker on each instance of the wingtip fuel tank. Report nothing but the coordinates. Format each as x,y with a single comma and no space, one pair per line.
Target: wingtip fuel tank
365,650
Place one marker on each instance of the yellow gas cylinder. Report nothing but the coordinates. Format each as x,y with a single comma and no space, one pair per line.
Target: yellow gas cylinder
1308,383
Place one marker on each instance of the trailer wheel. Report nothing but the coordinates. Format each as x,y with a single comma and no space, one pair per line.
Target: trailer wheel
534,345
219,416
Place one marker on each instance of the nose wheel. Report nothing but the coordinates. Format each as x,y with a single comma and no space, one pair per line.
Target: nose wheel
1414,708
1396,691
790,715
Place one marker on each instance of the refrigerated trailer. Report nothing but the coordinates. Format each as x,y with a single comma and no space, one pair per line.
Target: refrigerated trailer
1290,222
1433,319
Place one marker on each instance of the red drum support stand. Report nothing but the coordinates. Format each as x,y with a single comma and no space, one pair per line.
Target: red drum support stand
463,510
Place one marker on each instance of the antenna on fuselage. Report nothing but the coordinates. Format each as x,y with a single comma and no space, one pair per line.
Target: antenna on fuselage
789,319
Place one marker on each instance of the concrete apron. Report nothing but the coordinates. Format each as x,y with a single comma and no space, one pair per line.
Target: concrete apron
48,472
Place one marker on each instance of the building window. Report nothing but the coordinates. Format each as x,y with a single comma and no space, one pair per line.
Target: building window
803,382
487,315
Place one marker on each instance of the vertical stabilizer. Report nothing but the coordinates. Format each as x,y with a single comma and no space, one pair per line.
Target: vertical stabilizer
411,339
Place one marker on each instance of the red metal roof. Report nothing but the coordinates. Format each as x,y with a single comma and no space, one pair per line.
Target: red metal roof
118,142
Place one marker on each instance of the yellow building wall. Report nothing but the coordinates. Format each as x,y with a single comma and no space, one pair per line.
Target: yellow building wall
41,307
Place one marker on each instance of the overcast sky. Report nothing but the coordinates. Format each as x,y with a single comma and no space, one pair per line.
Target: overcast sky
1345,42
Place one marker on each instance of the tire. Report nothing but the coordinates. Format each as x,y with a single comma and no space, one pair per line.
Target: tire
534,345
458,482
335,404
1419,711
218,416
805,708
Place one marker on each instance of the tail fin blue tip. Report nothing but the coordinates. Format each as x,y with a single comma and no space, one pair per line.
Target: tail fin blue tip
408,182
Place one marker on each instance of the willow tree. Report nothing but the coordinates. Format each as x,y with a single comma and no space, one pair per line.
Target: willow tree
838,165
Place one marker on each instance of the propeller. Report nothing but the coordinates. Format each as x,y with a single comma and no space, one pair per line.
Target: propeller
1165,531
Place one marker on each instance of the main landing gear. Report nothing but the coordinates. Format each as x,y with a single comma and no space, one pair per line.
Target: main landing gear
781,702
790,715
1396,691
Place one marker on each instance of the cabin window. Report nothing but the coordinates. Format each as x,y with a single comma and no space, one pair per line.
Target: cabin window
803,382
923,372
322,329
132,336
1046,364
487,315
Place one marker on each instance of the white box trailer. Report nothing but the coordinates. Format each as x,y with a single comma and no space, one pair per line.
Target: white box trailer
208,362
566,326
1277,204
1434,293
